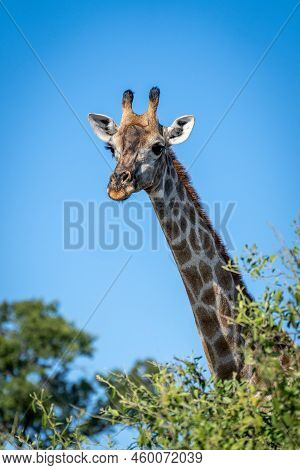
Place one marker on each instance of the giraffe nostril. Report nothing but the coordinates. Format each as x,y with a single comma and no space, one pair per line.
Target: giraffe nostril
125,177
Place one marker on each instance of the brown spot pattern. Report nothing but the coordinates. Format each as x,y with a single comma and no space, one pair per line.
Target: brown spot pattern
160,209
208,296
194,242
225,311
176,209
208,322
172,229
191,275
190,212
168,187
180,190
207,244
183,224
205,271
182,252
222,346
224,277
171,203
225,371
192,215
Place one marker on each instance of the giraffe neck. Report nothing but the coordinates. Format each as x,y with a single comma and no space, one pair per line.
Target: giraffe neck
200,257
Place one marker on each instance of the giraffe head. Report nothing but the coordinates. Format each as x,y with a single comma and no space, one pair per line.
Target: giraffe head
139,144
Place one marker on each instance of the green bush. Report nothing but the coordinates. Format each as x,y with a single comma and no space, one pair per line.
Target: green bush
38,350
181,409
177,406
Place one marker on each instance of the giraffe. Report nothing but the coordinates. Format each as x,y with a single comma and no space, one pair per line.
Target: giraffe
146,161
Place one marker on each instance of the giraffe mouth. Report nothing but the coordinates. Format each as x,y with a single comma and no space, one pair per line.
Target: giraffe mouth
120,194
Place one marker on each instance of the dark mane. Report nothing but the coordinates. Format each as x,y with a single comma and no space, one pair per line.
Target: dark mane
185,179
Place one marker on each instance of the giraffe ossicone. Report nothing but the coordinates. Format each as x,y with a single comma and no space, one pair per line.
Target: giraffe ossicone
145,161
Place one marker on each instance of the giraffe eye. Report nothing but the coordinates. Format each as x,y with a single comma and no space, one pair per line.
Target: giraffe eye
157,148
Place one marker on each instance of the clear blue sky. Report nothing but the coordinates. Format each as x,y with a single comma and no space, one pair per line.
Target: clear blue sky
200,54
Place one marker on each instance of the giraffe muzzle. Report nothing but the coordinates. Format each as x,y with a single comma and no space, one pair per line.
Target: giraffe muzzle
121,185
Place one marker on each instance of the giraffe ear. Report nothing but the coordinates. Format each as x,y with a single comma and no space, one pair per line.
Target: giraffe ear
103,126
180,130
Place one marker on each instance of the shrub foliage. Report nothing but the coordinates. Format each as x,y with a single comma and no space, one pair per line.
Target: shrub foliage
180,408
